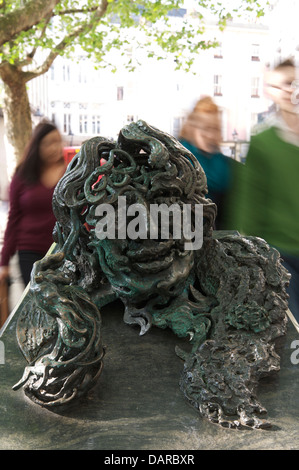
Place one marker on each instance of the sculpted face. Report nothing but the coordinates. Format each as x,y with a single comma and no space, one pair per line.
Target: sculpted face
140,239
139,269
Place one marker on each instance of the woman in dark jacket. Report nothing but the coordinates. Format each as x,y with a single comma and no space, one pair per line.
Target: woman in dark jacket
31,219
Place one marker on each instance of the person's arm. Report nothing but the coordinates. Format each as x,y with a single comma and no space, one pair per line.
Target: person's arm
11,231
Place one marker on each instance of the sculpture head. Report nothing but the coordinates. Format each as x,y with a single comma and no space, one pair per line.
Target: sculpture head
148,173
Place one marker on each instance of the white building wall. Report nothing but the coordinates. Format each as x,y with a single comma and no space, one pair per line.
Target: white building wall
159,94
237,69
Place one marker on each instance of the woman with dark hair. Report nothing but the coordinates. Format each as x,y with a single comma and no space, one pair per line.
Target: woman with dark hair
31,219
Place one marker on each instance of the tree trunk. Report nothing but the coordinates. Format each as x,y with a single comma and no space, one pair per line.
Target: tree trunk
16,111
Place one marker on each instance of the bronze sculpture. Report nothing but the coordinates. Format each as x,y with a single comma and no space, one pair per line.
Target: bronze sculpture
228,296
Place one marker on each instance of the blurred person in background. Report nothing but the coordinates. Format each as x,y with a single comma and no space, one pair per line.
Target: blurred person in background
30,219
269,190
201,134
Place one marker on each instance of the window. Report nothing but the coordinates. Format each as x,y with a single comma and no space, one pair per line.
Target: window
217,85
66,123
83,123
255,87
255,52
176,126
98,125
95,125
52,75
218,51
120,93
82,77
66,73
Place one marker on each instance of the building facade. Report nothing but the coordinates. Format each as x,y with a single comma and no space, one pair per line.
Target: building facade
84,101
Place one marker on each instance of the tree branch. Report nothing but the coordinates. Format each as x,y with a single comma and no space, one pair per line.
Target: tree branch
42,34
24,18
66,41
74,10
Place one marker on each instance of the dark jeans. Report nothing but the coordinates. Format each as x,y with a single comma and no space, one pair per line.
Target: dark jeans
26,262
291,263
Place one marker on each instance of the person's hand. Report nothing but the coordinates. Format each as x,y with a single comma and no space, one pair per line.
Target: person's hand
4,274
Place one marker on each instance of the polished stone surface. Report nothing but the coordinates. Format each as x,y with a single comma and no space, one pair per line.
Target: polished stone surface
137,403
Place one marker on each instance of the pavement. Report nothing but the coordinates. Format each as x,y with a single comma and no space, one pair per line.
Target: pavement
137,403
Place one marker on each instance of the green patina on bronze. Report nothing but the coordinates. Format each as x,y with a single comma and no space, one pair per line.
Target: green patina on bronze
228,297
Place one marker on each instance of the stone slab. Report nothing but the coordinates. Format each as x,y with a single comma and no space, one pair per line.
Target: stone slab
137,403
